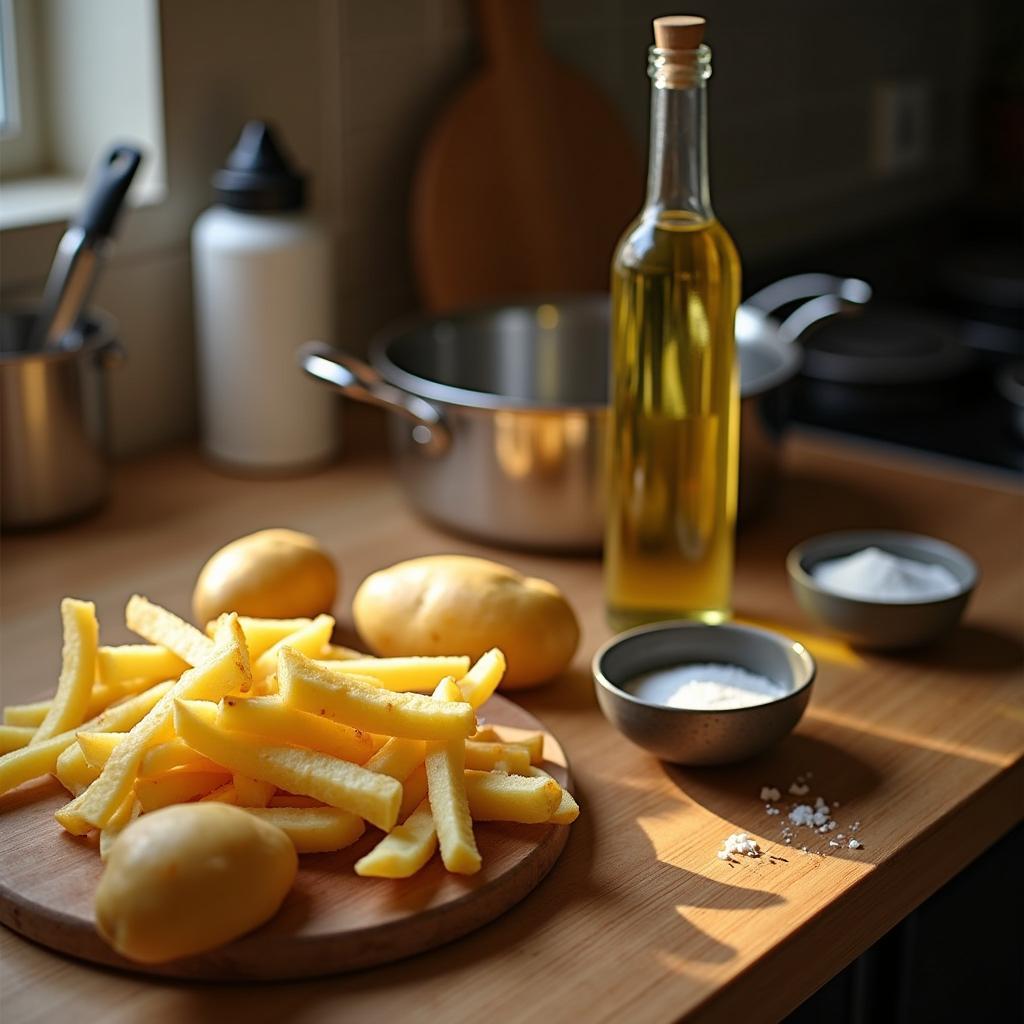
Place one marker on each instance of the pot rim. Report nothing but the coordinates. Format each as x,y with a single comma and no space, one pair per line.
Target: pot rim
101,331
469,399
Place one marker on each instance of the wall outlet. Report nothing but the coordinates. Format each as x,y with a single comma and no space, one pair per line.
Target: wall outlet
901,126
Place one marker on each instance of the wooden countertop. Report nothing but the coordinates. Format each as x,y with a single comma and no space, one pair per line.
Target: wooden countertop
638,920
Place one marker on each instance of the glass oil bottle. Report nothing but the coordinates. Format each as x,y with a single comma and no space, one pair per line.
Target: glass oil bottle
674,426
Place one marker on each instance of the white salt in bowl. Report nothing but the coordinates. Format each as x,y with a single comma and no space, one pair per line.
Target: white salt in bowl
881,625
702,737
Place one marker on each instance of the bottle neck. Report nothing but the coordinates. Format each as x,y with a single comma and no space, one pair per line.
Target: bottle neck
677,176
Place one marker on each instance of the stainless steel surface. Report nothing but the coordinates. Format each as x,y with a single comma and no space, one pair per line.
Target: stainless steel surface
359,380
876,624
500,412
67,288
685,736
77,262
52,422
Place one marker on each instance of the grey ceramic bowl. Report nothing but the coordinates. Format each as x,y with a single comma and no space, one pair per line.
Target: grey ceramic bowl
691,737
878,624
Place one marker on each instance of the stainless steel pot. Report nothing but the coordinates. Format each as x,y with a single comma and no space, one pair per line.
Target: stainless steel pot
499,413
53,423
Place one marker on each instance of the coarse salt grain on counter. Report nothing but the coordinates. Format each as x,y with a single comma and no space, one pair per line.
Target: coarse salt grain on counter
770,793
739,843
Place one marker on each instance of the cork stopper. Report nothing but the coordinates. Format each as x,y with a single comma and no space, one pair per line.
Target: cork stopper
678,32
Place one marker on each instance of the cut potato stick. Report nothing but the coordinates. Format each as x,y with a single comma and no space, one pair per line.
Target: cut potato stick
100,699
294,800
509,757
480,682
404,850
103,694
271,717
414,791
495,796
14,737
225,794
97,746
159,626
41,759
446,790
533,741
174,755
401,674
262,634
309,687
176,788
126,814
306,772
26,714
398,758
567,810
308,640
73,770
252,792
78,670
314,829
336,652
222,672
150,662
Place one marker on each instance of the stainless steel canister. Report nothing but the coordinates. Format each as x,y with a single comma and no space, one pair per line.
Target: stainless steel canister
53,421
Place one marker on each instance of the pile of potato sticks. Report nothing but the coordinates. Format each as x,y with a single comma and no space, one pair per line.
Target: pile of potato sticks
268,715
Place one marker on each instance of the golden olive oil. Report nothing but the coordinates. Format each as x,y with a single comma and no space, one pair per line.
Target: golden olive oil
674,427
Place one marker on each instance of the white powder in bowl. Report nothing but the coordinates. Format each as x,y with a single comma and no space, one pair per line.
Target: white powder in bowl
709,687
876,575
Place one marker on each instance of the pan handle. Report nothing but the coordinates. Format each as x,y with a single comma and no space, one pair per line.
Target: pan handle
358,380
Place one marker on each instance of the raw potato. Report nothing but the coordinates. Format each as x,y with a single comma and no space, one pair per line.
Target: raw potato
273,574
454,604
191,877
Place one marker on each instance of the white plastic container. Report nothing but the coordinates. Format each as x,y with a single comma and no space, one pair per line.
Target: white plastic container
261,285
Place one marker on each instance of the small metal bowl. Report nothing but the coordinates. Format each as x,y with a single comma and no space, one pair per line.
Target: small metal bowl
881,625
685,736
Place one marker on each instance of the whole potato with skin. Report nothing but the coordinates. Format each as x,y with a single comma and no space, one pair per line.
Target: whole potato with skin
272,574
455,604
190,877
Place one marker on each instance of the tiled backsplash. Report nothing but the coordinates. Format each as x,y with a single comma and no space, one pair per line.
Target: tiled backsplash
354,85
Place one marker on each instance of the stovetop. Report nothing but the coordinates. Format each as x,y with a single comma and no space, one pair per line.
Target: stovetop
918,271
970,424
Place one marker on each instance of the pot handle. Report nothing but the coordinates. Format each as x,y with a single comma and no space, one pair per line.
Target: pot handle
809,286
358,380
828,296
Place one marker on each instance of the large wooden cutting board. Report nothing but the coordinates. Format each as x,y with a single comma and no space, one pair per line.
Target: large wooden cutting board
332,921
528,178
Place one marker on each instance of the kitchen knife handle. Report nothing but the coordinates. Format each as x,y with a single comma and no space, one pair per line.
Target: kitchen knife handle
107,191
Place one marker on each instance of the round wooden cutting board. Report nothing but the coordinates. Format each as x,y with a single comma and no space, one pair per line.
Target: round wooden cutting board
332,921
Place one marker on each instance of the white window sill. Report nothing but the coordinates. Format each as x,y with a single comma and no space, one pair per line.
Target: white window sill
49,199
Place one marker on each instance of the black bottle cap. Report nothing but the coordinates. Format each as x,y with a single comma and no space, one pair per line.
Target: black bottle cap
256,175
